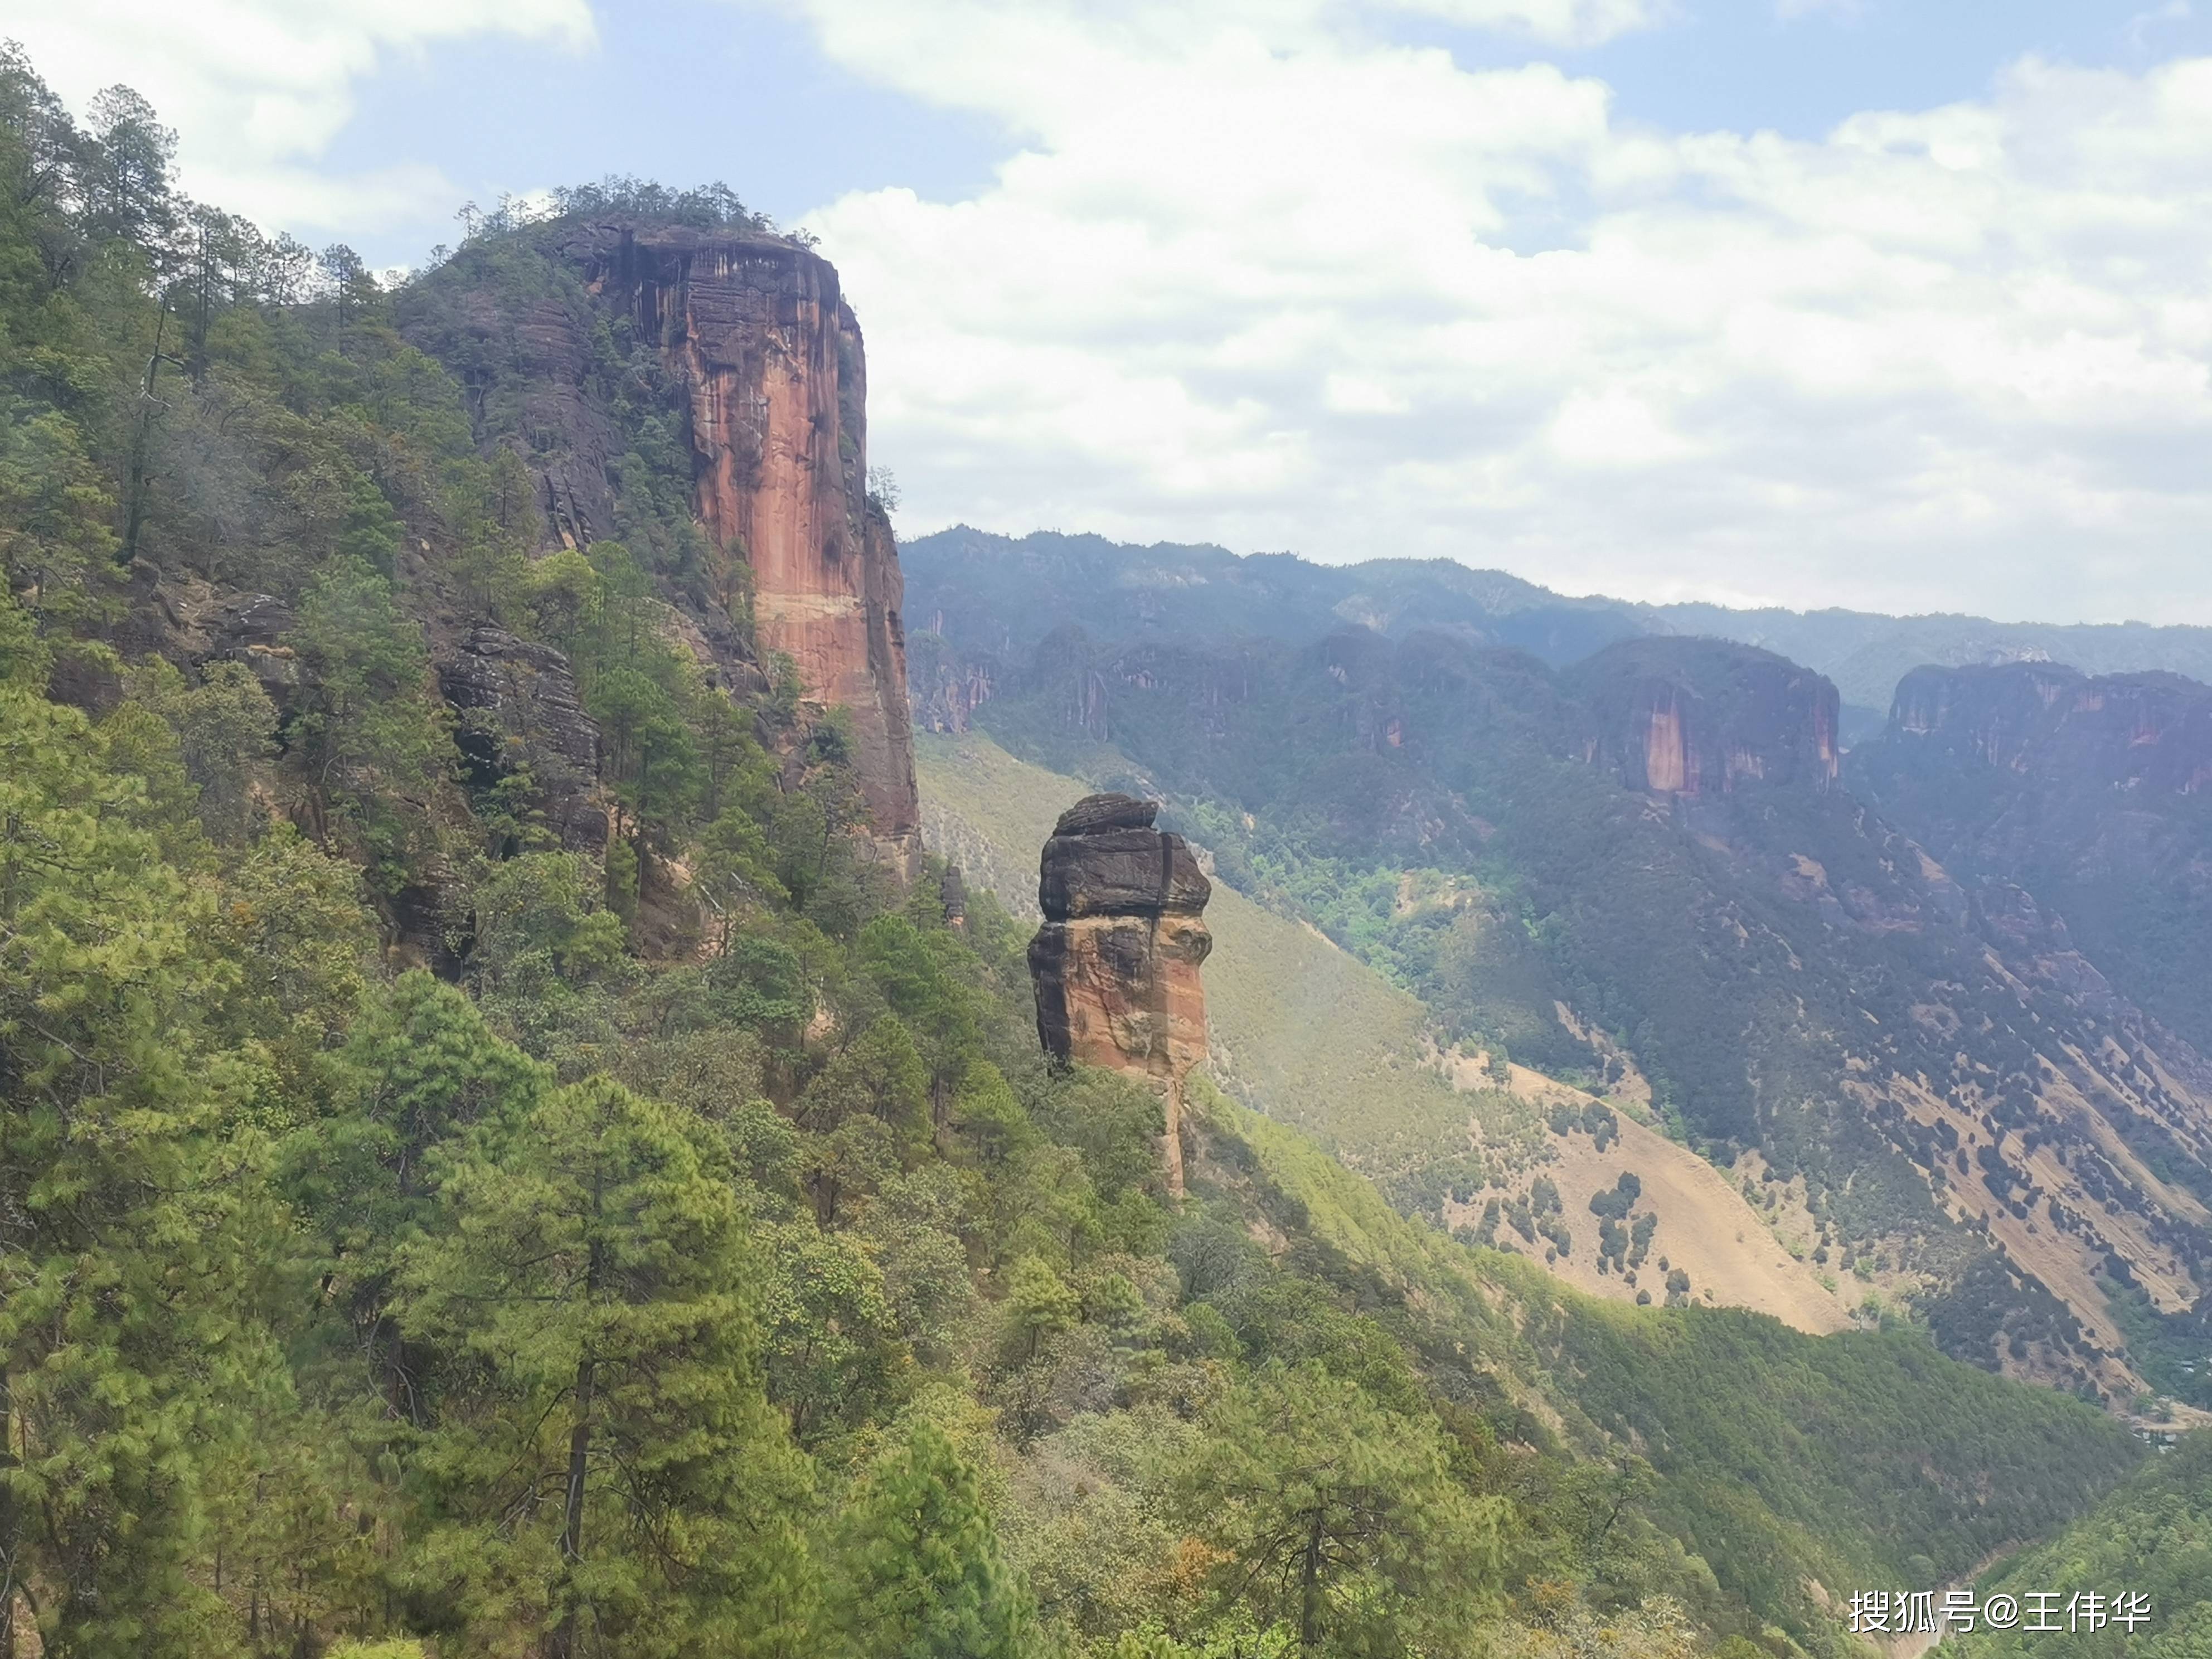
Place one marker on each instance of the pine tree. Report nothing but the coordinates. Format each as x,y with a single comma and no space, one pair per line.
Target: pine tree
1334,1517
419,1070
128,1201
615,1477
920,1572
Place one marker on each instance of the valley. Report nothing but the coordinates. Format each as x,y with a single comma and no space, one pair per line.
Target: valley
1315,1038
1978,1125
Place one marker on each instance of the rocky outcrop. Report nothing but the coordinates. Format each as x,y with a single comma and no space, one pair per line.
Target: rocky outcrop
947,685
2081,790
745,340
1703,717
198,623
2147,734
769,360
1115,966
520,709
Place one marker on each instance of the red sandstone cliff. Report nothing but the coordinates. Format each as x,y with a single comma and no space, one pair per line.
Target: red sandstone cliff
754,329
1115,964
1704,717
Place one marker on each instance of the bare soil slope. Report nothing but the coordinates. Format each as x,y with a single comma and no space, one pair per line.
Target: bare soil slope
1732,1253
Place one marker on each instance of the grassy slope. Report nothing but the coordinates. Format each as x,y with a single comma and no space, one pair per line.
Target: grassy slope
1316,1038
1308,1034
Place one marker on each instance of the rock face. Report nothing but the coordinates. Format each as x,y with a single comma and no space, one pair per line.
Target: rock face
2149,734
1115,966
518,705
760,364
947,685
2085,791
770,356
1702,717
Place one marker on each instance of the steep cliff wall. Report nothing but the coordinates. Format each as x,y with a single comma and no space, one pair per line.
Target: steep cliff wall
1702,717
1115,964
770,359
2149,734
2093,793
735,353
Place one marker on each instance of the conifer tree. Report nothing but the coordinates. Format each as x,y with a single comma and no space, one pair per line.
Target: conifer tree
920,1572
614,1476
1335,1518
128,1206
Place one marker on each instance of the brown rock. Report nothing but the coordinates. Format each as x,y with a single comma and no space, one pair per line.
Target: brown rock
1693,717
769,378
756,330
1120,872
1108,811
1115,966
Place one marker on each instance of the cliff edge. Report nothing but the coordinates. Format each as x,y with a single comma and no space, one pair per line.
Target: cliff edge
752,365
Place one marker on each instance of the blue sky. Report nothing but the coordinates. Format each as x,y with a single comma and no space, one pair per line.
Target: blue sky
684,91
1808,302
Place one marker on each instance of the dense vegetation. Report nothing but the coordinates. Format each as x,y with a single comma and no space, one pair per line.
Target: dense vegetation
1780,1459
419,1236
2153,1537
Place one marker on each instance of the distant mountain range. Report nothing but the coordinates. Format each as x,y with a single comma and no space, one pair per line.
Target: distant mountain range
1000,594
1928,978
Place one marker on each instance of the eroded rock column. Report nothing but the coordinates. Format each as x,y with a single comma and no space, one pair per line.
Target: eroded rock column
1115,966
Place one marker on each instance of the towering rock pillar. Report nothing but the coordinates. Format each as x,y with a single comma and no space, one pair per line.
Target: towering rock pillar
1115,964
756,330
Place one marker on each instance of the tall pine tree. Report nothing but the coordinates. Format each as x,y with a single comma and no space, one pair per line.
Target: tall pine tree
614,1477
920,1572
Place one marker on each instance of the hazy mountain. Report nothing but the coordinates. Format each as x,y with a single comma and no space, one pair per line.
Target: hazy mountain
1651,857
997,594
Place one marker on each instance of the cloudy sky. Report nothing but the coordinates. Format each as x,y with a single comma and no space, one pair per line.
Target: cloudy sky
1882,303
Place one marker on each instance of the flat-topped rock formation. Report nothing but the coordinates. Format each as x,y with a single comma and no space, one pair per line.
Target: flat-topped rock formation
755,328
1115,966
1705,717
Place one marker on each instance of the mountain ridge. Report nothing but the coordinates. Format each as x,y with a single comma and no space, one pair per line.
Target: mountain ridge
1133,591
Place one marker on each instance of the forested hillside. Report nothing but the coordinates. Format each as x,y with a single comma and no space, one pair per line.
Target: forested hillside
2152,1539
503,1152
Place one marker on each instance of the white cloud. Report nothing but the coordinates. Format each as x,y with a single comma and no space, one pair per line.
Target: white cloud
259,89
1559,23
1256,272
1272,279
